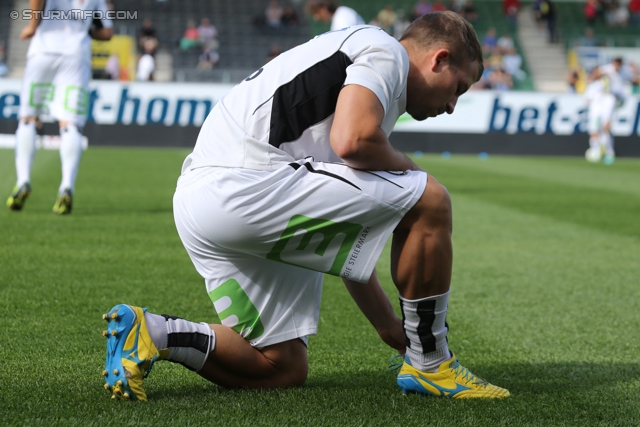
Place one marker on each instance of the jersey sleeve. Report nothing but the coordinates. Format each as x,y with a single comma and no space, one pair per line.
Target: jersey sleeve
104,21
381,66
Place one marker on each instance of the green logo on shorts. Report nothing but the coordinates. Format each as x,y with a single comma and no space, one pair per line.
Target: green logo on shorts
40,94
76,100
234,306
305,242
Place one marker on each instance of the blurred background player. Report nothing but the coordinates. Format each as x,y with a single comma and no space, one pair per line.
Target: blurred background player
601,103
56,79
329,10
604,94
620,75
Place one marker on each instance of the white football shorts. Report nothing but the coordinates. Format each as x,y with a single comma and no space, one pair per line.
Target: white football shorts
58,85
262,240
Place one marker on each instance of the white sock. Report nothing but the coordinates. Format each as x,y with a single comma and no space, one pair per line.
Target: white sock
157,329
607,142
25,150
594,142
70,155
425,325
189,343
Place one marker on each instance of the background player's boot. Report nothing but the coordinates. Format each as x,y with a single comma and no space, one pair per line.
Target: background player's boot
130,352
609,159
63,203
16,200
452,380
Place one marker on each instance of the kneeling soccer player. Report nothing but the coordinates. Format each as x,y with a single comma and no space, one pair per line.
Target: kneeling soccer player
293,176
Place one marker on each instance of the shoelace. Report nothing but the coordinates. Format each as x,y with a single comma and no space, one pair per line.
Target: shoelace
395,363
466,374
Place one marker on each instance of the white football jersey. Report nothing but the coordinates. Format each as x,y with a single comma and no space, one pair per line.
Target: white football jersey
616,81
284,111
345,17
596,89
64,29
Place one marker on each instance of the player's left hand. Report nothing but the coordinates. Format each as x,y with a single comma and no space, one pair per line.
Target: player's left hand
27,32
394,335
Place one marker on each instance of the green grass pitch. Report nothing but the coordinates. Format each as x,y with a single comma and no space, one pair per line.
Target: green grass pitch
545,301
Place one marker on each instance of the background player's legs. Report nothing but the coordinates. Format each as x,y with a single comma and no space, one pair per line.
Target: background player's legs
25,149
35,94
596,119
606,142
606,139
70,155
70,107
594,141
421,262
24,154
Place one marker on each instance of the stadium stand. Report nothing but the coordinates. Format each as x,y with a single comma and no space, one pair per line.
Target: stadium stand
572,24
490,15
244,43
5,9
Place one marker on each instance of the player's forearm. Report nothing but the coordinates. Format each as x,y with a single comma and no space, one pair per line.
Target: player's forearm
372,301
375,153
356,135
36,5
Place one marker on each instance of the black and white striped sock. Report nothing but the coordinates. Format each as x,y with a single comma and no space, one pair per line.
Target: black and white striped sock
424,322
189,343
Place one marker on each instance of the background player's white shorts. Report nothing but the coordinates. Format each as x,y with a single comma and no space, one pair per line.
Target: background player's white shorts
600,112
58,84
262,240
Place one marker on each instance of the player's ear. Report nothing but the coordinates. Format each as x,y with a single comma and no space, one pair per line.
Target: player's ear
439,58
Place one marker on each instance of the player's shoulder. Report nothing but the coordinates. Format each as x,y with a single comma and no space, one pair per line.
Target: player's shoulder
370,35
356,38
371,40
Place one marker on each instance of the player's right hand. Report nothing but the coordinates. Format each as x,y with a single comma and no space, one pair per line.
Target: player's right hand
27,32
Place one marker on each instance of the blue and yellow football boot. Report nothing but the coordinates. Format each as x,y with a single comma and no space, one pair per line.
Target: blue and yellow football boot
130,352
16,200
452,380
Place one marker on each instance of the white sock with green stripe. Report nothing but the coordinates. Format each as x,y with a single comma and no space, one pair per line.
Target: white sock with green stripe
424,322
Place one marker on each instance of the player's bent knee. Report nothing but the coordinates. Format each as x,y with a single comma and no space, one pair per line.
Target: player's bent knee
297,376
433,209
436,197
290,362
